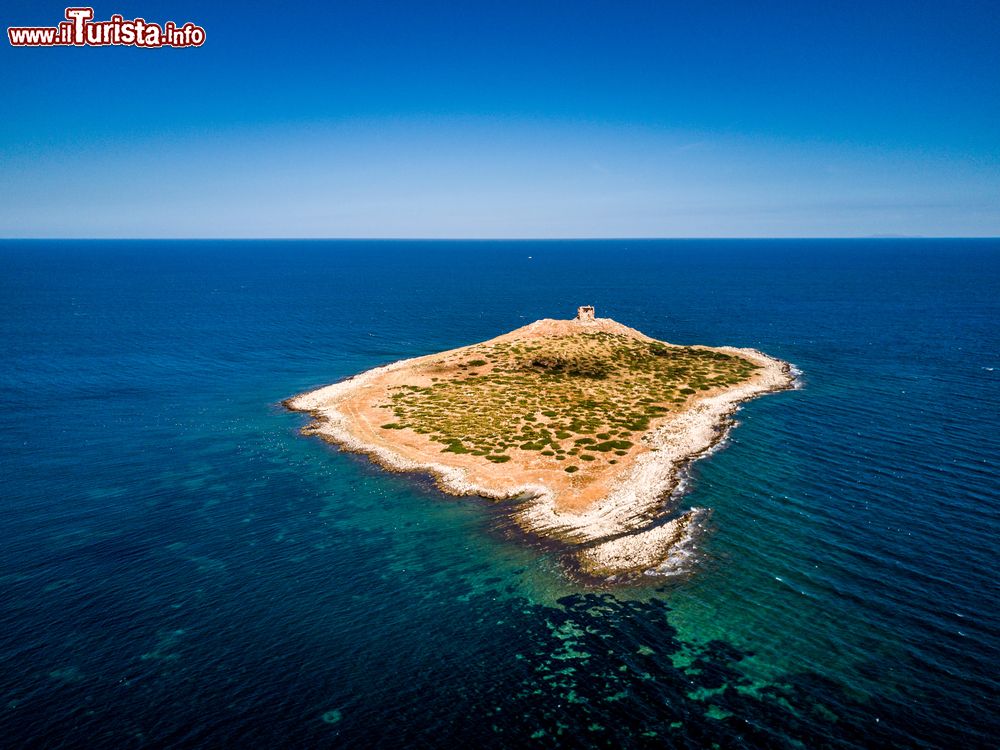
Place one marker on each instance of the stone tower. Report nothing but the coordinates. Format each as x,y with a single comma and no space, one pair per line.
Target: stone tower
585,312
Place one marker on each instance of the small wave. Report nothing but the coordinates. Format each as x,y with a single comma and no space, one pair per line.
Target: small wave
797,377
683,554
722,442
681,488
791,585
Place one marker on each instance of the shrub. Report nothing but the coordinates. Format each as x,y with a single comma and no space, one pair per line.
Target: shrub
612,445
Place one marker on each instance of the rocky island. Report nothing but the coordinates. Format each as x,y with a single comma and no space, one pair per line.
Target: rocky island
584,425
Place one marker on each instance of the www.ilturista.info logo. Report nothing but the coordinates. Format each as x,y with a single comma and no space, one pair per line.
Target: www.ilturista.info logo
80,30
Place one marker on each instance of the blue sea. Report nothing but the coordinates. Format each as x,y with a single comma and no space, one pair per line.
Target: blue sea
180,568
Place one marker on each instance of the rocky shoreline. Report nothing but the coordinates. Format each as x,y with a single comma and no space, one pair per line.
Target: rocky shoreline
631,530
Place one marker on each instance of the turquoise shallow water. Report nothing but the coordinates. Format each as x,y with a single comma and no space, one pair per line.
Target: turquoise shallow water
180,568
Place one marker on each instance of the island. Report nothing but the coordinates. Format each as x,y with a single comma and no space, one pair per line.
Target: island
585,426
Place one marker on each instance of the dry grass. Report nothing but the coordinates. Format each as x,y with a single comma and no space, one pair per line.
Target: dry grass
571,399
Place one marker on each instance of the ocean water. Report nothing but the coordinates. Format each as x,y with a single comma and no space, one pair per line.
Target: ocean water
179,568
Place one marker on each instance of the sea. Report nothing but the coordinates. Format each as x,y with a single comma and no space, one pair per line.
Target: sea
179,567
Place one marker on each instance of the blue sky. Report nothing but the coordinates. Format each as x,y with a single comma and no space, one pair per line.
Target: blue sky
534,119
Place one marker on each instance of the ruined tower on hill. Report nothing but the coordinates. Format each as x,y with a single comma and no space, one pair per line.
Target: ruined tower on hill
585,312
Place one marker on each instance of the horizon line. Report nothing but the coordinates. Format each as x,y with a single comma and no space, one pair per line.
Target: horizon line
503,239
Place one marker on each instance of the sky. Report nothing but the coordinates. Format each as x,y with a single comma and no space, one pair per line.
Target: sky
509,119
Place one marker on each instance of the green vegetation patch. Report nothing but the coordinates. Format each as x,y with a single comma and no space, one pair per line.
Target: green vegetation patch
612,445
556,395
